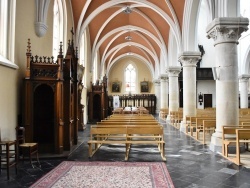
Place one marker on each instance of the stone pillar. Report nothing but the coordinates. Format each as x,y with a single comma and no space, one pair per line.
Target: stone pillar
157,84
243,81
189,61
164,91
173,73
226,32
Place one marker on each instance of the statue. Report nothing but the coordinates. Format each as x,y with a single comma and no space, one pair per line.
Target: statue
201,49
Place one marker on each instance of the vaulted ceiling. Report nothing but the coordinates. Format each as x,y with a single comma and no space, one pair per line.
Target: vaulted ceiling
120,28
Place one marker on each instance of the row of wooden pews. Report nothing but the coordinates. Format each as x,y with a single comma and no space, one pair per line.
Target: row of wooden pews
130,110
238,137
163,113
127,129
201,127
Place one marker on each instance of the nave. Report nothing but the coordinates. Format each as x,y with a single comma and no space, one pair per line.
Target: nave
190,164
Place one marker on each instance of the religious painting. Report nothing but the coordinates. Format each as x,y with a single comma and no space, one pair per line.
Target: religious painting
144,86
116,87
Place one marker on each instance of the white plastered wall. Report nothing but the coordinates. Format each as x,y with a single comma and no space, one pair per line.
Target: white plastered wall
11,80
206,87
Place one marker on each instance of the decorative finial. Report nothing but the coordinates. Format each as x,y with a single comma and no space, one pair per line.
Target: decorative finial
72,32
76,52
28,49
60,49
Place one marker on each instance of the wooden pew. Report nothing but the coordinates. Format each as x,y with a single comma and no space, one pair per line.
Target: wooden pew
130,116
242,136
234,135
246,120
229,135
200,125
127,123
191,123
104,135
178,117
208,125
134,118
146,135
126,135
163,113
129,120
173,115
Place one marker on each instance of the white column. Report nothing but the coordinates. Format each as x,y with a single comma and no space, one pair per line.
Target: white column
173,73
226,32
164,91
243,84
189,61
157,84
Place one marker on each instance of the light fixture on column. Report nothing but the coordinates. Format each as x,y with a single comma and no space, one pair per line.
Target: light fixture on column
200,97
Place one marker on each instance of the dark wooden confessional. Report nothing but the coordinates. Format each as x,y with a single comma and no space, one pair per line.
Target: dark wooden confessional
51,101
98,102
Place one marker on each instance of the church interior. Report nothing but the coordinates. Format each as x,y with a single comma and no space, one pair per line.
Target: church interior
179,68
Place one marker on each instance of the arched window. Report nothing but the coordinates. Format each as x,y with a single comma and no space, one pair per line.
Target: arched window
56,29
130,77
7,32
95,76
82,54
4,27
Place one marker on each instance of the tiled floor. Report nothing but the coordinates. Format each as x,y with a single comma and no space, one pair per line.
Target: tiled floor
189,163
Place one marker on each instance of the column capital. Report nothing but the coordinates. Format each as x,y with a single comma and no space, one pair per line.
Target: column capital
244,77
173,71
163,77
156,81
189,58
227,29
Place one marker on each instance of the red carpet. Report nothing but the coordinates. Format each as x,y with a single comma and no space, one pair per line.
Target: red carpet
107,175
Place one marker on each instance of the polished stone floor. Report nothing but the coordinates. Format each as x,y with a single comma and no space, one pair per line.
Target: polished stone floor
189,163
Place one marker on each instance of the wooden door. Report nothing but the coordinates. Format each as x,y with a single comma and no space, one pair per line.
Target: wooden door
208,101
97,107
44,124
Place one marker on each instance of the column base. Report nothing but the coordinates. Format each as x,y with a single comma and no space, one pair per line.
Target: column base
168,120
183,126
216,143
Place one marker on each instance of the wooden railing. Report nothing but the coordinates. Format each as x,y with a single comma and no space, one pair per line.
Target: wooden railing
145,100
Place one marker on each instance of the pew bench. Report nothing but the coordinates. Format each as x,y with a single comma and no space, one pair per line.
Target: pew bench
126,135
195,122
152,135
127,123
128,120
210,125
131,117
235,135
207,126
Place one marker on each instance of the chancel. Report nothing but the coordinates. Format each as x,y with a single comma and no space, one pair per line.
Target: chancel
109,83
